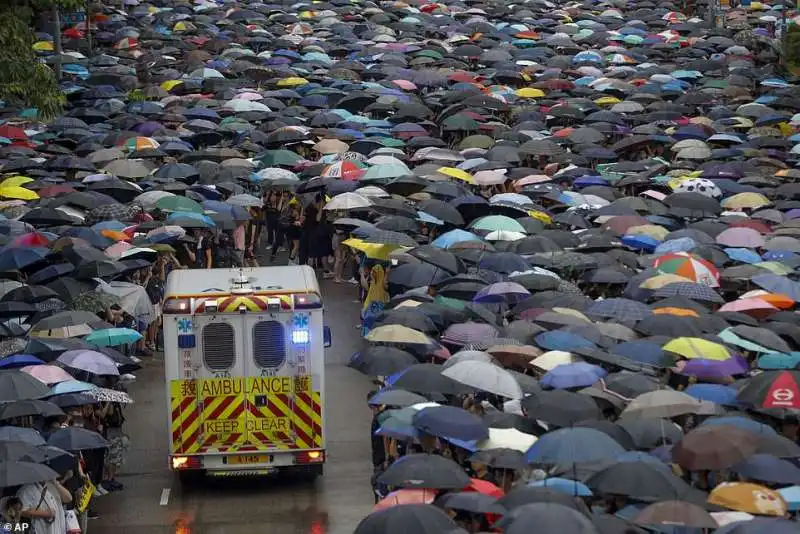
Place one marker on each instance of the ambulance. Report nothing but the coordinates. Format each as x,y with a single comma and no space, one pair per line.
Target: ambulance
244,354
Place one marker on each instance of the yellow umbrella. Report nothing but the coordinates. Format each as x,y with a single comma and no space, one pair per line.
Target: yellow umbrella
659,281
18,193
292,81
458,174
749,498
16,181
44,46
649,230
375,251
530,92
552,359
775,267
169,85
396,333
695,347
745,201
680,312
607,101
545,218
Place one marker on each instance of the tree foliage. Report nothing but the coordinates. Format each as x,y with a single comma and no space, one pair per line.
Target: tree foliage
792,49
23,79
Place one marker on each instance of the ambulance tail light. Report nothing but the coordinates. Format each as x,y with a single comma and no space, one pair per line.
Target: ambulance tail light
309,457
176,306
308,301
179,463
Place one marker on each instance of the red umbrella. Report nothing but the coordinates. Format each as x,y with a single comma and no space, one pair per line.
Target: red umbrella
13,132
56,190
406,496
772,389
33,239
487,488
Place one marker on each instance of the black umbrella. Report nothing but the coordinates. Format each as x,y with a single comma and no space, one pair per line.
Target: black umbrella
425,471
16,385
70,400
16,309
442,210
21,451
30,294
76,439
17,473
469,501
450,422
548,517
560,408
396,397
381,360
442,259
614,431
648,434
405,518
644,481
500,458
428,378
22,408
525,495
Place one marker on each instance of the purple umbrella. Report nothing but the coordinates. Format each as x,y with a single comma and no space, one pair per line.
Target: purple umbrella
510,292
573,375
90,361
705,369
741,237
466,333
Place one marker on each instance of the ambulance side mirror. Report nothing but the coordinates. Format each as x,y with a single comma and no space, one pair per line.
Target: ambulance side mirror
327,339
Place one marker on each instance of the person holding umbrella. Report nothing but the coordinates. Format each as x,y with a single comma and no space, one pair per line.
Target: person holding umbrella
43,504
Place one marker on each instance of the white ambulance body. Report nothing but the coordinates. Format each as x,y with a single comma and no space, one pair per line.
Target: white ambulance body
245,370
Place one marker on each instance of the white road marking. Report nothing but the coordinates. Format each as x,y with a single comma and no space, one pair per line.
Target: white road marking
164,496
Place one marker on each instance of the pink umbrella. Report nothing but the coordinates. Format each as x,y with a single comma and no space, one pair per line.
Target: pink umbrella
741,237
405,84
116,250
751,306
49,374
406,496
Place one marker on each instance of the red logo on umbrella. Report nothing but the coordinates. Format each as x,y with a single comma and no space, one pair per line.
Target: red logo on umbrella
783,393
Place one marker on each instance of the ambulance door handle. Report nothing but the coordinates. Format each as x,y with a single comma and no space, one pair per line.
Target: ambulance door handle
260,400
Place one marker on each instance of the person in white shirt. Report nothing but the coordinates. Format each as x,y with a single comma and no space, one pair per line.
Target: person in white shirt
43,504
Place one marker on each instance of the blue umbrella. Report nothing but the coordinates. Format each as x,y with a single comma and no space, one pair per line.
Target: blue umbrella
113,337
681,244
448,239
564,485
642,351
646,457
792,497
573,445
19,360
778,284
14,258
778,360
504,262
510,292
18,433
742,255
641,242
741,422
561,340
452,422
190,220
768,468
70,386
51,272
573,375
716,393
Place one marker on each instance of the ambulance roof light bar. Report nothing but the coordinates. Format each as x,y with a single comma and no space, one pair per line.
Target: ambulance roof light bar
241,284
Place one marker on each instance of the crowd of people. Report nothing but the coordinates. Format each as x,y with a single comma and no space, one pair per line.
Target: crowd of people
571,225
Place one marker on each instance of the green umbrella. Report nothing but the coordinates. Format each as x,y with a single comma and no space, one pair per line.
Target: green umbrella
276,158
460,123
179,203
492,223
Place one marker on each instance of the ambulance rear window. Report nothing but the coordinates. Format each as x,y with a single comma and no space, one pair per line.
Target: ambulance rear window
269,344
219,346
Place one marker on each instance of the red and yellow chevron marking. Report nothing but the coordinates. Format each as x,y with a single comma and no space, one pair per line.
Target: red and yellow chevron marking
308,414
223,418
233,304
185,417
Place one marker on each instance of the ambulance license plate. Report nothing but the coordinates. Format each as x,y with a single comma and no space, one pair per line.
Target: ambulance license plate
248,459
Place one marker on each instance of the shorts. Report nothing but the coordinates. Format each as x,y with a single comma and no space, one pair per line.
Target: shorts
117,450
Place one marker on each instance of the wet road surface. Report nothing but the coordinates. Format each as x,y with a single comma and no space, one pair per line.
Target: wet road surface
153,501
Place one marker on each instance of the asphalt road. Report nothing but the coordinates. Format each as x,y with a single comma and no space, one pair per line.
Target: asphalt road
153,502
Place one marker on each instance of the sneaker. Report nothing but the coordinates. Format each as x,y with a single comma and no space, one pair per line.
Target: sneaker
99,490
91,514
107,486
353,281
116,485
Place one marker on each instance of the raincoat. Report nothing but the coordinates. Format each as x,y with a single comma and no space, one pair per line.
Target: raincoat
376,299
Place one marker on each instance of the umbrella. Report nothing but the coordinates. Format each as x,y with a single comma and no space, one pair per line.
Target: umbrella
561,408
18,473
16,385
381,360
772,389
676,513
573,445
750,498
642,480
486,377
450,422
714,447
76,439
90,361
422,518
425,471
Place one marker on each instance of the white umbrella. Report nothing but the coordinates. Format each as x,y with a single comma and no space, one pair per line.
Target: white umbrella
348,201
485,376
506,438
552,359
504,235
244,200
133,299
468,356
662,403
148,199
